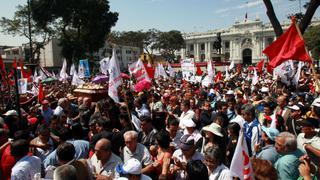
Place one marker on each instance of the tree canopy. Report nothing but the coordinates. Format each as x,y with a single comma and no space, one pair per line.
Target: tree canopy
82,25
19,26
304,21
149,41
312,39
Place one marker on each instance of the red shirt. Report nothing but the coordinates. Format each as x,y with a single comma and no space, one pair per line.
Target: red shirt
7,163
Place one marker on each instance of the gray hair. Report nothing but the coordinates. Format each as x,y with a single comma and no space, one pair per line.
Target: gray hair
213,152
131,134
290,141
65,172
249,109
61,101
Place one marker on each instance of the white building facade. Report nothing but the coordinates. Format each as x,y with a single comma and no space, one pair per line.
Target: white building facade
243,42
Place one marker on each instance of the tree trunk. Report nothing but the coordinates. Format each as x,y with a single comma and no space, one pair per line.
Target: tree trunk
312,7
273,18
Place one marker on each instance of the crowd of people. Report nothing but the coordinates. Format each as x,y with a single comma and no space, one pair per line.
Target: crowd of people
174,130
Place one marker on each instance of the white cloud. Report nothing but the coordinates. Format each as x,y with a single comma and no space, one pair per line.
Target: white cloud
242,6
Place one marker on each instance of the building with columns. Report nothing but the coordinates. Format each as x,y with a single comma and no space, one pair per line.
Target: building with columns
243,42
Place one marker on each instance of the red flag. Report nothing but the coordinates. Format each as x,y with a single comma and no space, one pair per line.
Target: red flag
199,71
289,45
41,93
260,66
150,70
218,77
14,65
2,67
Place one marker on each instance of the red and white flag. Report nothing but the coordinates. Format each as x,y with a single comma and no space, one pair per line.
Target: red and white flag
115,79
138,70
210,70
240,165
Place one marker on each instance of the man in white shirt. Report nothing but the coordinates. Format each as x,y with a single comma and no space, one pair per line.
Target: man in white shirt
186,153
187,113
27,166
133,149
104,161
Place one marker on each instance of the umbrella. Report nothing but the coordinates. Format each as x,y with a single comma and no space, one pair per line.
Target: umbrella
48,80
125,76
142,85
100,79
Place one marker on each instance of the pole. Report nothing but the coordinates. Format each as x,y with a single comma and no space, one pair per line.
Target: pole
29,28
17,92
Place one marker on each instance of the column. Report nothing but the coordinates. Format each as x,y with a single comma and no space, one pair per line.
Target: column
197,57
208,56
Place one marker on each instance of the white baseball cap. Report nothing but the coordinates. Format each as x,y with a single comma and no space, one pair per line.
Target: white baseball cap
11,113
132,166
189,123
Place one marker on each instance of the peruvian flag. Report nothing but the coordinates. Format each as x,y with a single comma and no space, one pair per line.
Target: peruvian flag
240,165
289,45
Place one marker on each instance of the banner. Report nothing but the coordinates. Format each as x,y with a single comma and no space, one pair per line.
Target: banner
188,69
22,85
104,65
83,70
138,70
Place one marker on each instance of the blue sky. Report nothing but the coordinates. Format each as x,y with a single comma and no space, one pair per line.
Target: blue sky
183,15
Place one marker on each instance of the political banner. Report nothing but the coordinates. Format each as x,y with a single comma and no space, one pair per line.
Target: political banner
188,69
22,85
83,70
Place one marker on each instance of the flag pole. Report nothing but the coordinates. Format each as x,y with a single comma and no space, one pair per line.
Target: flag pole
312,60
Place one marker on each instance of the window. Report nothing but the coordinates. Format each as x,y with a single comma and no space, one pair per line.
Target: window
191,47
202,47
227,44
202,57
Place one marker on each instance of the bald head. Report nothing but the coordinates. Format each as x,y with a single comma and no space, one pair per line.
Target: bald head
103,144
282,101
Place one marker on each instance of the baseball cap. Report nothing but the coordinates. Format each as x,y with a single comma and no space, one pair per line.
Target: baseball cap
189,123
264,89
308,122
272,133
230,92
296,107
132,166
186,142
11,113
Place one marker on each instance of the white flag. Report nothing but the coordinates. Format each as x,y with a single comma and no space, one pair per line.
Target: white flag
63,71
160,72
240,165
296,77
22,85
231,66
285,71
227,73
170,70
255,77
210,71
76,81
114,77
72,69
104,65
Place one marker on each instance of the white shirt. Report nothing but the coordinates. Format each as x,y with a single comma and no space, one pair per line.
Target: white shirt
196,135
141,153
179,155
186,115
314,142
58,111
107,169
26,168
238,119
222,171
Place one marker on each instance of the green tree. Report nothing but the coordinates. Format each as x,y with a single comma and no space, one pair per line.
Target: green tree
312,39
83,25
19,26
305,19
168,43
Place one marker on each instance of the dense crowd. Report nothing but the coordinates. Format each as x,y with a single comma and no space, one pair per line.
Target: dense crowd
174,130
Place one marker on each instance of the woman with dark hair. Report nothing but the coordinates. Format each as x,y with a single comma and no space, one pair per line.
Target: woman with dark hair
197,170
233,134
163,153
